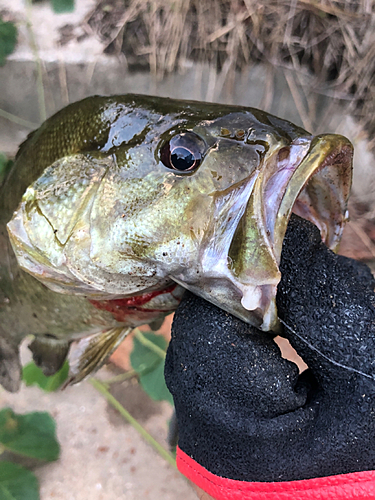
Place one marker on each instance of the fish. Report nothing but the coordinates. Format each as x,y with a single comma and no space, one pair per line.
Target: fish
116,205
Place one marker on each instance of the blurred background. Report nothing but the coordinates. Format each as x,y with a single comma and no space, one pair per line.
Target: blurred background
312,62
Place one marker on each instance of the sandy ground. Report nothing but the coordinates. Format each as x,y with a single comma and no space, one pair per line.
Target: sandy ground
103,457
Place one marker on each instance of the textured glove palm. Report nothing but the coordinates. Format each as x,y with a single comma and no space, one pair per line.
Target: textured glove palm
243,411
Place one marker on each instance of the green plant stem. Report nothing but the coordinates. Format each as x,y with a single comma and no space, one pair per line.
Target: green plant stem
121,377
16,119
99,386
153,347
2,449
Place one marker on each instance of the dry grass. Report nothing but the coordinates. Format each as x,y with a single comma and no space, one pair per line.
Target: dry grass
328,45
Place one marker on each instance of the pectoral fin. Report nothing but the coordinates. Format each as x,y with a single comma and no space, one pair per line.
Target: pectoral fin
90,353
49,353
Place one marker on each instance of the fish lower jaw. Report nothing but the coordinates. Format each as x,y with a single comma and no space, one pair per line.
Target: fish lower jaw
262,298
253,293
252,302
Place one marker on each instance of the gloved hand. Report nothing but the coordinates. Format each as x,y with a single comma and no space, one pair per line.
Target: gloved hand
250,426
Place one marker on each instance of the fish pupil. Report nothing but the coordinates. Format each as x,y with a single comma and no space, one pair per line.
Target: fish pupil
182,158
183,152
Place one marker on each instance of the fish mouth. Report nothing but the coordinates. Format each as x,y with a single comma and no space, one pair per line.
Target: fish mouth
317,189
240,261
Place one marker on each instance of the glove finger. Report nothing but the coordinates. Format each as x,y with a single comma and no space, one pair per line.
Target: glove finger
230,387
327,305
215,354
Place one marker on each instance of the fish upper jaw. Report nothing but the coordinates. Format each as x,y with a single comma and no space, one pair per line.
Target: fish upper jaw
319,190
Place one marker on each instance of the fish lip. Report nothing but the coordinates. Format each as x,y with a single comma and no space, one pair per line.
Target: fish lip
328,163
329,160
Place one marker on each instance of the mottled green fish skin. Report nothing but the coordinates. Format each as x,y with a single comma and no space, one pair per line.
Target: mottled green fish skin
176,224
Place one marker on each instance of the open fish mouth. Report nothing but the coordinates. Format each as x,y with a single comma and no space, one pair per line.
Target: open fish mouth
318,190
239,265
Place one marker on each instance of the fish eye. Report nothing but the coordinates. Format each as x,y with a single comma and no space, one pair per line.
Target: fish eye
183,152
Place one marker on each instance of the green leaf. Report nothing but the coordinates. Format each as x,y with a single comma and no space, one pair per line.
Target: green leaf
142,357
32,435
3,162
60,6
17,483
149,364
8,40
33,375
153,383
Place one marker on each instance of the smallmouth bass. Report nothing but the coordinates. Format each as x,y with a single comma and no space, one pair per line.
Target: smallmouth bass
117,204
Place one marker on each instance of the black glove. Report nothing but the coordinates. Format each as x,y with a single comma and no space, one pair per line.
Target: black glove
250,426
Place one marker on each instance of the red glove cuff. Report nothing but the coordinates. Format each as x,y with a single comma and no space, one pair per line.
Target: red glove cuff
353,486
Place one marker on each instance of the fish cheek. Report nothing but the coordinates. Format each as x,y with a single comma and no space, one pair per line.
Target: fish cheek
124,220
187,214
230,162
151,224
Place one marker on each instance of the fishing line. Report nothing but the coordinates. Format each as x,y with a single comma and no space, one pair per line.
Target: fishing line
349,368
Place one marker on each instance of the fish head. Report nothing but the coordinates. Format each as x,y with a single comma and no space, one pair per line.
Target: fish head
193,193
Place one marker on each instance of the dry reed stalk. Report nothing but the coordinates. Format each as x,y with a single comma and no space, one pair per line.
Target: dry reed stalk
329,45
